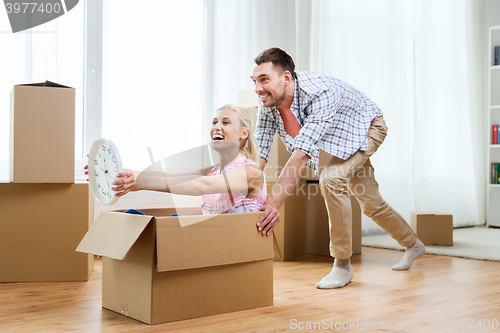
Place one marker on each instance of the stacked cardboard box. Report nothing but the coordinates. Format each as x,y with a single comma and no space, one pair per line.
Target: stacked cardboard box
40,228
292,227
45,214
42,135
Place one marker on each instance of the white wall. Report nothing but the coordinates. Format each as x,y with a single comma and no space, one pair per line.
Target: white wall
491,18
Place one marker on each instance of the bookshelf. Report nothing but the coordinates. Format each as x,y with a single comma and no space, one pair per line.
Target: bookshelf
493,190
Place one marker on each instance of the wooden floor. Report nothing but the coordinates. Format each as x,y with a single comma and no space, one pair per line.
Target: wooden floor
427,298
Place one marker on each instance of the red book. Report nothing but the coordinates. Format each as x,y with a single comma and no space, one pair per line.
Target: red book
495,135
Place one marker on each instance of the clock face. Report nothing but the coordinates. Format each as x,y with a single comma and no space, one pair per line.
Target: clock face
104,164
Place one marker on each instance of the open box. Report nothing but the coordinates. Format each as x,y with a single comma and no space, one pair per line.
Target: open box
159,268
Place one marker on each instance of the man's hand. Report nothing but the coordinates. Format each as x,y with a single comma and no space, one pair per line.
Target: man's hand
269,219
283,188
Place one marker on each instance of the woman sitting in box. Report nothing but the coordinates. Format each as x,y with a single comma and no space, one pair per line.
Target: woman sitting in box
236,187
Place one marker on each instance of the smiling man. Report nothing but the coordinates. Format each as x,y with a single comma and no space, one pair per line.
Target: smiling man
312,111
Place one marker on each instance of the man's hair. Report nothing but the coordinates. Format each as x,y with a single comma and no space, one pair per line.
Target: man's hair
279,58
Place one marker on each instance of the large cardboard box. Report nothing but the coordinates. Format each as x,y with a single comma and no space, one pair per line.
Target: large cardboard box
317,225
40,227
159,268
433,228
42,133
291,230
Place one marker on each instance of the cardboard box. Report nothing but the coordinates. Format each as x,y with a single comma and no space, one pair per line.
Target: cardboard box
40,227
247,98
290,231
317,223
42,133
158,268
433,228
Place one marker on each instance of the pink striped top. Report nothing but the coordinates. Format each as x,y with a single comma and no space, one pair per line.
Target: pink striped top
228,203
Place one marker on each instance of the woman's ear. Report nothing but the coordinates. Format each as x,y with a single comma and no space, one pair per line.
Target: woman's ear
245,133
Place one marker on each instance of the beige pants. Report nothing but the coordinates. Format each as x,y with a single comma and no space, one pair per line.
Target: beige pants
355,175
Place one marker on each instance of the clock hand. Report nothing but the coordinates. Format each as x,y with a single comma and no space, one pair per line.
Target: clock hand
107,181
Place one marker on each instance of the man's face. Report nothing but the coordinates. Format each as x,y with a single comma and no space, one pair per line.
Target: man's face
269,84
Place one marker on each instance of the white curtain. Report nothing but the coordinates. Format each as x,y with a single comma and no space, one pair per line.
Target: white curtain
235,32
418,60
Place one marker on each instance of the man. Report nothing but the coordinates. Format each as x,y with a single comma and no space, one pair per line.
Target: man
312,111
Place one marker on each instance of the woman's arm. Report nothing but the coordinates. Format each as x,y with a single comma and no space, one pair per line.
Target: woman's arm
247,178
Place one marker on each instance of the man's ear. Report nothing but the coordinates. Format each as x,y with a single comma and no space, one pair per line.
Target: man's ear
287,77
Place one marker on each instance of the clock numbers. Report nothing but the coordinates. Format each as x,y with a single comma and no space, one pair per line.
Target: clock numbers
106,193
104,170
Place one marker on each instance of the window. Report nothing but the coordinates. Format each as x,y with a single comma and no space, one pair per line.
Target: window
52,51
152,78
143,88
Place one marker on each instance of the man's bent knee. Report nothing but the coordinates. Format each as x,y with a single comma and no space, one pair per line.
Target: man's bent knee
333,183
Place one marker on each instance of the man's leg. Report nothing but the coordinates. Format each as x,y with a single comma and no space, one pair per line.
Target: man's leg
376,208
365,188
333,182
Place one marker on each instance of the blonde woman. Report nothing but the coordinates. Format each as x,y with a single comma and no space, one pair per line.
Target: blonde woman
236,185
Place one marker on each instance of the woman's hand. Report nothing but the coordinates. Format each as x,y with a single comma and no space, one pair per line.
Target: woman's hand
125,183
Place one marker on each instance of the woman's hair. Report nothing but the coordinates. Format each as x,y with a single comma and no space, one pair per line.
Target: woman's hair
249,148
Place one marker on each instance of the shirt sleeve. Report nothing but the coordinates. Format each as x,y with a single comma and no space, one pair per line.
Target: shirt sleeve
318,120
264,132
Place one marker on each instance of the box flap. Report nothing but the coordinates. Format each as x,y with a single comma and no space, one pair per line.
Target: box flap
45,84
429,213
218,240
113,234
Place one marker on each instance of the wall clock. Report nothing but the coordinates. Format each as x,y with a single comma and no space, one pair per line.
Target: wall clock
104,164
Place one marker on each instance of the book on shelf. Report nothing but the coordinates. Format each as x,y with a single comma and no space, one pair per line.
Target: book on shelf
496,55
495,173
495,135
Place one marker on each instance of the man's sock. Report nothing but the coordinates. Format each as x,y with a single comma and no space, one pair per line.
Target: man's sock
340,275
411,253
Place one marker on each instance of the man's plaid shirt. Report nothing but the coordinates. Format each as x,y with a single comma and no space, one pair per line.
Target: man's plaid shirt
334,117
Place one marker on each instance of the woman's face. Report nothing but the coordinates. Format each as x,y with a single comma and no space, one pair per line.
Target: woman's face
226,128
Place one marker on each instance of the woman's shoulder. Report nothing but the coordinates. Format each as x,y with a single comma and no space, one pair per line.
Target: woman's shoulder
245,161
